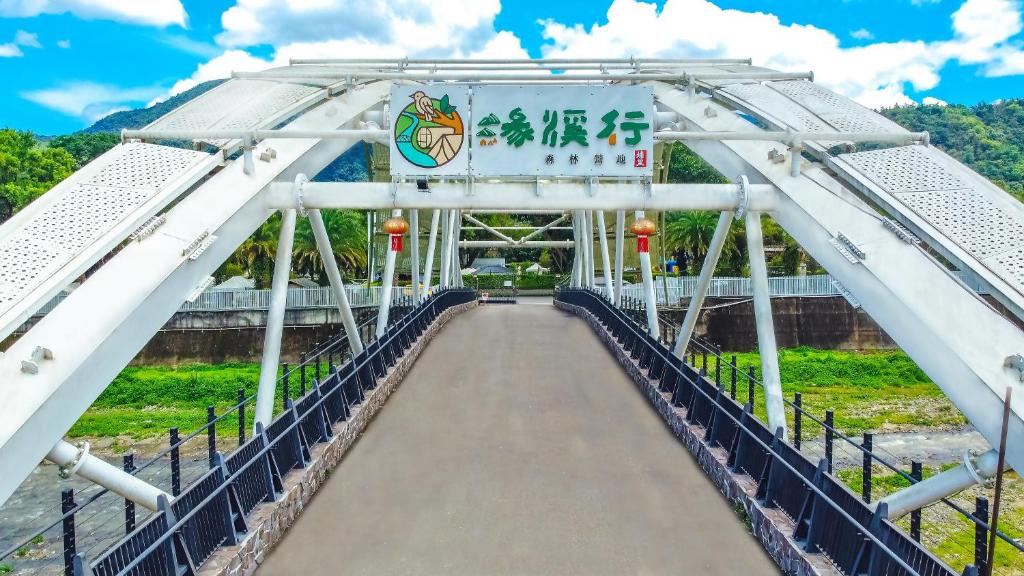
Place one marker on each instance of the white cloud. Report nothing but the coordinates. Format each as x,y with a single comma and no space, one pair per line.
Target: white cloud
146,12
874,74
64,44
21,38
89,100
219,67
930,101
862,34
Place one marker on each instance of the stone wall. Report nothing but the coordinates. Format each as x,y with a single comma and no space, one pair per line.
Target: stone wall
269,522
770,526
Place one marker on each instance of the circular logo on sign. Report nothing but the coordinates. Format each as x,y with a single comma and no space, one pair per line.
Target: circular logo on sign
428,132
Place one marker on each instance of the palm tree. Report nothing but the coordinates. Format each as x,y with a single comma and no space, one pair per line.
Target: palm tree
690,233
347,232
256,254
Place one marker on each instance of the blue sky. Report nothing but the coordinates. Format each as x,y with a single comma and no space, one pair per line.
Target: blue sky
68,62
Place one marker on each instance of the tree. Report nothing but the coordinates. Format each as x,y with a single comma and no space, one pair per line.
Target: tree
256,254
86,147
347,232
27,170
689,234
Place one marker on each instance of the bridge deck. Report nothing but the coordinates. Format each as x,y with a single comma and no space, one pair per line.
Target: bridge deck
517,445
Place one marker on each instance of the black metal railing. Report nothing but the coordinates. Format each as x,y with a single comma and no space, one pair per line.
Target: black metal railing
182,534
828,517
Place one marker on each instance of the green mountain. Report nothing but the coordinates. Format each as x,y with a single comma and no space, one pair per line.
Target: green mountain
987,137
133,119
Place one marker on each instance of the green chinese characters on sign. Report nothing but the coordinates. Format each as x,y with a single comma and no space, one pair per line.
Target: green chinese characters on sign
518,129
574,128
550,136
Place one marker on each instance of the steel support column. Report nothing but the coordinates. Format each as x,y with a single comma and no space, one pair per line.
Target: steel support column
275,321
446,246
605,265
414,252
323,244
649,295
765,328
384,309
428,270
588,239
707,272
77,460
620,240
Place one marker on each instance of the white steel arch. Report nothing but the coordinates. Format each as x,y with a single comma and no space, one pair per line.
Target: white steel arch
52,373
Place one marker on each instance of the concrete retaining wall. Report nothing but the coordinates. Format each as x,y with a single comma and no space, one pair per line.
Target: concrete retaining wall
769,525
269,522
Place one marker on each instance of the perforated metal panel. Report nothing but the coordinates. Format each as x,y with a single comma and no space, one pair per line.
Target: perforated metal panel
839,111
85,208
778,106
947,205
238,105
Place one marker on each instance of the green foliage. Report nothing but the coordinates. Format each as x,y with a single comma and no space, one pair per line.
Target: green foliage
6,568
686,167
987,137
85,146
869,391
27,170
525,281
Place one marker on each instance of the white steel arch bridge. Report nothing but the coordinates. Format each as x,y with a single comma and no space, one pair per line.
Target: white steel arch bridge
888,215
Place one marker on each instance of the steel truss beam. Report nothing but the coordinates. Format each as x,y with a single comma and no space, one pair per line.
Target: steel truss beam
523,196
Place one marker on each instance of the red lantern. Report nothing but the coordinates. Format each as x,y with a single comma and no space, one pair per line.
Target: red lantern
396,227
643,228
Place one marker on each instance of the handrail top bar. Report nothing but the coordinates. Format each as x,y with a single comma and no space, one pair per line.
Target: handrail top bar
310,74
517,61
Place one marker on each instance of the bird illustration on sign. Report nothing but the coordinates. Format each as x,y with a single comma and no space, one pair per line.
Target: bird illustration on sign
429,131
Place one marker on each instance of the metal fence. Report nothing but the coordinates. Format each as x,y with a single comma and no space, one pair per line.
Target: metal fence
298,299
680,287
211,510
828,517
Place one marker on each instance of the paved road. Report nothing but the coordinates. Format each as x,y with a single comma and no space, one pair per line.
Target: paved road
518,446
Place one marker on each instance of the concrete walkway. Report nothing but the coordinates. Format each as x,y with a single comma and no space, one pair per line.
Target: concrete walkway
518,446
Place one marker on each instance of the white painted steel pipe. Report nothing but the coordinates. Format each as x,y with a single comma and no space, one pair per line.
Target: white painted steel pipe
403,62
414,252
522,197
606,269
649,295
456,268
428,266
323,244
707,272
300,74
500,244
490,229
588,247
973,471
576,251
795,138
366,135
765,328
553,225
96,470
620,240
446,247
275,321
386,282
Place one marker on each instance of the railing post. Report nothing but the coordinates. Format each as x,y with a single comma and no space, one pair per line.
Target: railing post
302,371
732,385
829,426
175,463
211,433
798,405
915,516
865,484
241,416
316,371
285,392
750,387
718,368
67,504
129,506
704,358
981,533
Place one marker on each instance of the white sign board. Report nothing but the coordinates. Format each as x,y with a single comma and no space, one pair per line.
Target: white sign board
429,126
562,131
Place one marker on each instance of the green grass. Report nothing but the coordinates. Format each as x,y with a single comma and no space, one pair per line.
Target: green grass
146,401
882,391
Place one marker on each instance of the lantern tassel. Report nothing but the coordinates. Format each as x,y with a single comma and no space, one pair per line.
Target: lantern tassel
396,243
641,244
